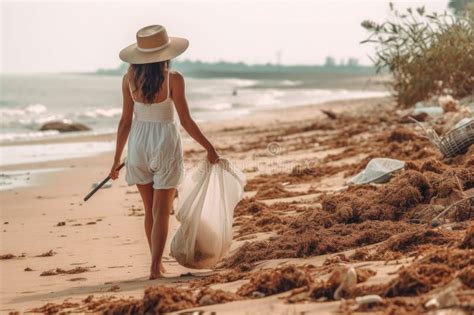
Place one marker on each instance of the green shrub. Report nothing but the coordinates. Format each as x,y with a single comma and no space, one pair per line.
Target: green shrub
427,54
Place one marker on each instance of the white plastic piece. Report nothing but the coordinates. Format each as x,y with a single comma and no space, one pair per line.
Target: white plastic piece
378,170
430,110
349,280
206,201
367,299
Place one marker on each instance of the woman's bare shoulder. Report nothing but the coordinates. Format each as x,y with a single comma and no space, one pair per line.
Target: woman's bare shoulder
176,75
176,79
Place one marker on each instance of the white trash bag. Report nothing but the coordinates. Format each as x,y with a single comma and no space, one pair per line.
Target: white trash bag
206,201
378,170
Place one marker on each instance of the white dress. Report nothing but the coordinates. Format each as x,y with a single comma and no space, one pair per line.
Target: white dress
155,151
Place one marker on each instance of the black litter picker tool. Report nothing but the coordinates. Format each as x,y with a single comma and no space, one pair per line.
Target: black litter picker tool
102,183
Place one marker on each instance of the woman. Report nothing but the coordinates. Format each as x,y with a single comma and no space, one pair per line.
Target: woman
155,156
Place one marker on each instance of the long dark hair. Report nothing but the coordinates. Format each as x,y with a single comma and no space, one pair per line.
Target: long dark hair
148,78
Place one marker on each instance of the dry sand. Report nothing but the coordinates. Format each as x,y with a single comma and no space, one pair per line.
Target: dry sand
296,226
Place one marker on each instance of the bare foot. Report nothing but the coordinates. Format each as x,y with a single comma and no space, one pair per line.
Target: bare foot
154,276
154,273
162,268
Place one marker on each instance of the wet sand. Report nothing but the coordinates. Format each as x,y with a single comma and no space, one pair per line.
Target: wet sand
298,232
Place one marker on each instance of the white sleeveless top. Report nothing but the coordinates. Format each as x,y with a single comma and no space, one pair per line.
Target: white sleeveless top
154,145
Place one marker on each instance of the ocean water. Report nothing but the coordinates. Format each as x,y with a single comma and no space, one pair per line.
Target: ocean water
29,101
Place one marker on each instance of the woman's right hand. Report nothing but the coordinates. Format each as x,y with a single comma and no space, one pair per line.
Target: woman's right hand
212,156
114,172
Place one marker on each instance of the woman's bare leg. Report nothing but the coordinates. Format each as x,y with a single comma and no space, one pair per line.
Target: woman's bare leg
146,192
162,204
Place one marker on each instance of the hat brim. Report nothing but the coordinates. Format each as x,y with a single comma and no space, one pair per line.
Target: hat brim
176,47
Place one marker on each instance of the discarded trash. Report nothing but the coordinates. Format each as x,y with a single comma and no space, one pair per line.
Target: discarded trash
430,110
454,142
457,140
378,170
444,299
206,202
106,185
349,280
448,103
368,299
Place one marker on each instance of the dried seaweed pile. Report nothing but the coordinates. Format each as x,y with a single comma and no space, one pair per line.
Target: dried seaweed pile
269,282
362,214
252,217
156,300
442,277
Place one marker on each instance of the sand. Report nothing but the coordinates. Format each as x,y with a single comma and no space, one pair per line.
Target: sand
298,231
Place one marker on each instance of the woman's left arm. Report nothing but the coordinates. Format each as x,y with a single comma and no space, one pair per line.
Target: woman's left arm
188,123
123,127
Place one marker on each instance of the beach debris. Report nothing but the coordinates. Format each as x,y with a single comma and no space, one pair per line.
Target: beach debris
448,103
447,298
156,300
27,269
454,142
208,296
64,126
364,274
61,223
58,271
49,253
408,118
378,170
114,288
54,308
273,281
421,107
348,279
338,285
7,256
330,114
257,295
163,299
301,170
252,169
367,299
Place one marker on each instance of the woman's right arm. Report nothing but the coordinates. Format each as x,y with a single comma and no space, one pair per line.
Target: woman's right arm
123,127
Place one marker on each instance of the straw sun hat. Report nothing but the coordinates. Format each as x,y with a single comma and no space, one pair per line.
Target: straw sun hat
153,45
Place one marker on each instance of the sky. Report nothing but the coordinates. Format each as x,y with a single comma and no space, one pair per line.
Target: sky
75,36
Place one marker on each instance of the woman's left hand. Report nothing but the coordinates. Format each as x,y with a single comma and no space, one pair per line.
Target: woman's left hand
212,156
